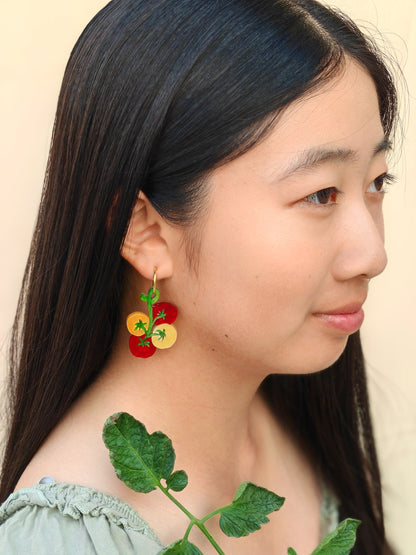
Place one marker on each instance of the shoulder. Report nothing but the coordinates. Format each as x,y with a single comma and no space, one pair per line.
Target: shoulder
56,518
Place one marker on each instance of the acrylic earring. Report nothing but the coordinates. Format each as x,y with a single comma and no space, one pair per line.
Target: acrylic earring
153,330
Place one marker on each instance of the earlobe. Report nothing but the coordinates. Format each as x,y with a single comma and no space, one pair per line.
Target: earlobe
145,247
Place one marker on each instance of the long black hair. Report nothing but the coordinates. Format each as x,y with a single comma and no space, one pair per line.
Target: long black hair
157,93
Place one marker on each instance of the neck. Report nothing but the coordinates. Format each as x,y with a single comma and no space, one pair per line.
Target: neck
211,411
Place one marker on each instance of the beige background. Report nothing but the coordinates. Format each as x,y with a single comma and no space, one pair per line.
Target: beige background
35,40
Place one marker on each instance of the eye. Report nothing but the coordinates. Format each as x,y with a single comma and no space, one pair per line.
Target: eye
324,196
379,184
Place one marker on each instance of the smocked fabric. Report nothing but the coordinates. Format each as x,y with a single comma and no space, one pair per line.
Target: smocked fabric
329,511
62,519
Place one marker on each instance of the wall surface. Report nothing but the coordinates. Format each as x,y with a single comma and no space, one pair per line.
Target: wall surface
389,332
36,38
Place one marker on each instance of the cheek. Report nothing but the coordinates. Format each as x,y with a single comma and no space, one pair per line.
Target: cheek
378,217
255,285
260,277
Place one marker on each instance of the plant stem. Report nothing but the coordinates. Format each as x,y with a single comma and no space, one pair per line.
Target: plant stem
216,512
209,537
194,521
178,504
191,524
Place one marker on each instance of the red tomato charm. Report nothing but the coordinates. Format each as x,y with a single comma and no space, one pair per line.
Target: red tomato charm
141,347
165,313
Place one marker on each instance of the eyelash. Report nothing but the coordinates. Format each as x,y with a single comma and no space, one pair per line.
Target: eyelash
329,195
383,180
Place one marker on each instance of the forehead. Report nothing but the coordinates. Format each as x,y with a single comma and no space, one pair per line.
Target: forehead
343,115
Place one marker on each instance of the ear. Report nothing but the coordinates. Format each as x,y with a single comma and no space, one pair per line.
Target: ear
145,246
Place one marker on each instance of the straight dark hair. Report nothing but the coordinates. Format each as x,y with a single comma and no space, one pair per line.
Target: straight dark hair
155,95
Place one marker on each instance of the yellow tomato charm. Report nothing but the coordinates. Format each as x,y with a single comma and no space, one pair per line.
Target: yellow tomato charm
164,336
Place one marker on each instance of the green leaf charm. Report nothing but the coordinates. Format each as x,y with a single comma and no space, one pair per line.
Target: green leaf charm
182,547
248,510
140,459
341,540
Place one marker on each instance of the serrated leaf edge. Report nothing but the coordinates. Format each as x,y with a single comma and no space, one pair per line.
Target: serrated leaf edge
340,529
112,422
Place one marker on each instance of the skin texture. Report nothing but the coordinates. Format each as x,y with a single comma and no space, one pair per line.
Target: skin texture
270,259
256,304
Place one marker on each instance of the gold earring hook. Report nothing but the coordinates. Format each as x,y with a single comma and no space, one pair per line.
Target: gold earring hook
154,281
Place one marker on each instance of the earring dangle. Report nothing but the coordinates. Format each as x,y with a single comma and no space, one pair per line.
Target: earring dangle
153,330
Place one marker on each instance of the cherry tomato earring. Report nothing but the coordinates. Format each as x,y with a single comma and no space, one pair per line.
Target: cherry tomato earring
153,330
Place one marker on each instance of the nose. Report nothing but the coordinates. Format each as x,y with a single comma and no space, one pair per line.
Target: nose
361,251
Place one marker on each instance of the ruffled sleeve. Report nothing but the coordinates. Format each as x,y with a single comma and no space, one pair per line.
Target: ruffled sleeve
64,519
329,511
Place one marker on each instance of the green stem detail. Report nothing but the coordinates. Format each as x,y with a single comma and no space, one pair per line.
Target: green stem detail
151,298
210,538
194,521
191,524
216,512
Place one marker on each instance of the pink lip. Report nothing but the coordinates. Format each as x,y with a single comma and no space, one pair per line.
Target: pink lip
347,319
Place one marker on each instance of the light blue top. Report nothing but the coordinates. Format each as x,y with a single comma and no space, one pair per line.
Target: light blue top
62,519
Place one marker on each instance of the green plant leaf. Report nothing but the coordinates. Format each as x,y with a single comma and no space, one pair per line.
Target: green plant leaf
140,459
182,547
341,540
177,481
248,510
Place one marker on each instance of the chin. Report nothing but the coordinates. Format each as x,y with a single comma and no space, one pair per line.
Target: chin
321,361
330,360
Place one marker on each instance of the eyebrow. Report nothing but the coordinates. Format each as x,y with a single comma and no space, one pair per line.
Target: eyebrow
314,157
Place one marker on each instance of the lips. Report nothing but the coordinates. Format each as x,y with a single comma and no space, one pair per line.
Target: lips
347,319
347,309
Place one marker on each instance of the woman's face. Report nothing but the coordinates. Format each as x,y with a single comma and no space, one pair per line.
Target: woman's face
293,234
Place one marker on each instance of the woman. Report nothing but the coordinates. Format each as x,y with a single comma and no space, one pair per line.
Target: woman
234,151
